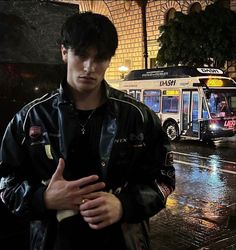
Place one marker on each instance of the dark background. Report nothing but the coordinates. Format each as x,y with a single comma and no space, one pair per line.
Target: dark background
30,66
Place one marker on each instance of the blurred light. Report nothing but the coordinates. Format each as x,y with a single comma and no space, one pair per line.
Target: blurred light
123,69
213,126
214,82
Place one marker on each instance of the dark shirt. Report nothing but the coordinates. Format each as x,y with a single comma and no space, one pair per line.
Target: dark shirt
83,160
83,155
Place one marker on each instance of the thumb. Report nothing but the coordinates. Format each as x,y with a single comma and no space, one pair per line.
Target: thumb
58,174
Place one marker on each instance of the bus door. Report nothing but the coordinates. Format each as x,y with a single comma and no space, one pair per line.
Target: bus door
190,122
136,93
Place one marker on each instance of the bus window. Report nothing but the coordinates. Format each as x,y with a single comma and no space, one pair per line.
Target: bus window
233,103
170,101
136,93
186,106
222,103
195,125
212,104
204,111
152,99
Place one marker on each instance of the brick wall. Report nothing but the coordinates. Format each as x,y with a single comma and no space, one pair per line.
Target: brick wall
126,15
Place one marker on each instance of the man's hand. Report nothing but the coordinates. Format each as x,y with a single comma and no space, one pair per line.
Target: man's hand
101,209
61,194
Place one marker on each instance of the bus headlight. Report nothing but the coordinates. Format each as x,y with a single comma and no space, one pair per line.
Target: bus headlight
213,126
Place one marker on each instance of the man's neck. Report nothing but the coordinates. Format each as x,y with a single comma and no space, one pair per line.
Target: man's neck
88,100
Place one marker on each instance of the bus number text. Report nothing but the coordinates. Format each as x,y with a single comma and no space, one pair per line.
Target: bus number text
167,83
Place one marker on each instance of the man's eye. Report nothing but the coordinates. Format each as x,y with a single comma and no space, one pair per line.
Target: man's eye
101,59
82,56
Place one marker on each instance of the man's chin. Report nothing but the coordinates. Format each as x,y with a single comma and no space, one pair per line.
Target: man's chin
85,88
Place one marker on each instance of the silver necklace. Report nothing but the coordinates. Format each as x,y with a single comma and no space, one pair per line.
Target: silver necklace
83,130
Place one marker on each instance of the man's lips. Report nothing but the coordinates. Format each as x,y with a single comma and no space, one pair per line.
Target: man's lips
87,78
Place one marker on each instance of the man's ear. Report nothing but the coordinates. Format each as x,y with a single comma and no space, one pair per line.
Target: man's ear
64,53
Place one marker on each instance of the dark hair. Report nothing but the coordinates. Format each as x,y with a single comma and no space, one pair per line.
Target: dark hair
85,30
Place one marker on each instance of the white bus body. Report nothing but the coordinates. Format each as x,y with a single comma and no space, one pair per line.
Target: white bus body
195,103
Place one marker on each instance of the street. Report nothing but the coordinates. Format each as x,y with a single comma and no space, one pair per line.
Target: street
201,213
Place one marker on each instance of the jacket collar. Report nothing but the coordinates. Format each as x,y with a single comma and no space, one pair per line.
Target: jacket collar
64,94
65,97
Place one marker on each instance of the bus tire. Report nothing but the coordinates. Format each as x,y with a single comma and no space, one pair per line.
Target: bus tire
172,130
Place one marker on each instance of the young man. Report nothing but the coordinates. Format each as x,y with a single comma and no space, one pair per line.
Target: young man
87,164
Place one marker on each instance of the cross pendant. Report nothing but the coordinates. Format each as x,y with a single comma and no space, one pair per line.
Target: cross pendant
83,131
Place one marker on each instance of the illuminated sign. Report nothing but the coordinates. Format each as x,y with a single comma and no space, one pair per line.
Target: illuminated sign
214,82
210,71
171,92
230,124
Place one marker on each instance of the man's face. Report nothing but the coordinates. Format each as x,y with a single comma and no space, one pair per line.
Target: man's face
84,72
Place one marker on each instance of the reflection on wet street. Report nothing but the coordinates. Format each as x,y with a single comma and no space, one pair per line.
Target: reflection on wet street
208,194
222,150
202,210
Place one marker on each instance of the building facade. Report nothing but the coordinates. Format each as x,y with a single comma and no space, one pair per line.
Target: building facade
127,17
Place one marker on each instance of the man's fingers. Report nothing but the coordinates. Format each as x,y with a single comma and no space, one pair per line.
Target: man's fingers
91,188
85,185
84,181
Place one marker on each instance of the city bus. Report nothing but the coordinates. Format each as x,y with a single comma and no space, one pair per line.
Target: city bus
192,103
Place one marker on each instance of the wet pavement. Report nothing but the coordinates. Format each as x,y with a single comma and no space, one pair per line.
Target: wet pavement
201,213
172,229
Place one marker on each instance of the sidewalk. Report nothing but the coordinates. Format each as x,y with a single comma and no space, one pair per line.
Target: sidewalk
183,230
227,243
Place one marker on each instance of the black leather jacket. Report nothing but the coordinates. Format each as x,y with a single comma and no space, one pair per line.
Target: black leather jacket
135,158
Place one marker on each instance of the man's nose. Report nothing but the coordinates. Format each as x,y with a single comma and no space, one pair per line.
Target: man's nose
89,65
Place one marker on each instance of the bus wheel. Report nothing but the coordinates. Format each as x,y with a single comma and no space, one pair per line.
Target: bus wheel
172,131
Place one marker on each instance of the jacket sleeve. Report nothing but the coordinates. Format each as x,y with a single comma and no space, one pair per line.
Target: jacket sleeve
154,177
16,190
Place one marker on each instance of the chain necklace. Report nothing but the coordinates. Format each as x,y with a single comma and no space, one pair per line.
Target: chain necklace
82,125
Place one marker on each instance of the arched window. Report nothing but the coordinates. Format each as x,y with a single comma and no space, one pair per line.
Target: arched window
170,14
195,8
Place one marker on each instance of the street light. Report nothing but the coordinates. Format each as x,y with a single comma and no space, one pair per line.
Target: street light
123,69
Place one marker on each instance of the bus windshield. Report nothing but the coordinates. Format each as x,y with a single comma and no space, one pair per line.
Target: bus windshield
222,103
